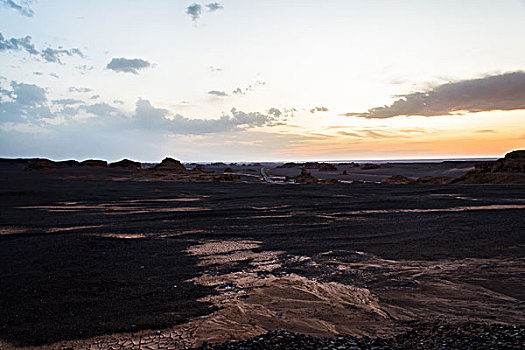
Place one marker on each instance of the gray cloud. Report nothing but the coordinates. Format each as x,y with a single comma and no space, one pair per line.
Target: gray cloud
38,73
54,75
318,109
215,69
128,65
275,112
27,105
218,93
49,54
53,55
94,97
120,102
498,92
18,44
28,94
22,7
67,101
214,6
194,10
79,90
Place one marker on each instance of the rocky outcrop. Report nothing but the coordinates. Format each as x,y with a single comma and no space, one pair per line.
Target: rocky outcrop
514,162
127,164
351,164
170,164
369,166
94,163
304,178
327,167
40,164
67,163
228,170
398,180
507,170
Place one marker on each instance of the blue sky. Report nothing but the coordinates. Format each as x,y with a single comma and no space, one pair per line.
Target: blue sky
261,80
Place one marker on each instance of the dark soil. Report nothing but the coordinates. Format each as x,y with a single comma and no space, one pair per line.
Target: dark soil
59,282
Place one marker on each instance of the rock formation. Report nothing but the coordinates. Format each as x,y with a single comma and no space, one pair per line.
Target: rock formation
170,164
95,163
304,178
67,163
507,170
369,166
126,163
40,164
327,167
398,180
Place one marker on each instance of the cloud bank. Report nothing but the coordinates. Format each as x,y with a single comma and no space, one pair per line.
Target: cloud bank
504,92
49,54
22,7
128,65
27,107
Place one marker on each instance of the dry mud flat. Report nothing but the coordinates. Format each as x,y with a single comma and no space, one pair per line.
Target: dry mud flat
92,262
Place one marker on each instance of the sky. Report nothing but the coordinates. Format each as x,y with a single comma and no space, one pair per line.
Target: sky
261,80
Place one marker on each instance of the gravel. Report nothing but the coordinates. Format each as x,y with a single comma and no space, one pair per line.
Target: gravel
463,336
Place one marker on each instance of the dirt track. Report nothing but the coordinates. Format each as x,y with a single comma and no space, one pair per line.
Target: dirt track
84,254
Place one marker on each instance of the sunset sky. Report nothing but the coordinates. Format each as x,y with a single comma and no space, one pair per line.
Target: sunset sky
261,80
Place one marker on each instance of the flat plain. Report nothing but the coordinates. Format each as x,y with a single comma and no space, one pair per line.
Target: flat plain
88,256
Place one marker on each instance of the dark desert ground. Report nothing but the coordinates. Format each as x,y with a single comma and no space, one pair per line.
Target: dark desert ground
110,258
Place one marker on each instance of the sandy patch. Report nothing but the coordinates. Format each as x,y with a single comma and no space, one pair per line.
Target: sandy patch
12,230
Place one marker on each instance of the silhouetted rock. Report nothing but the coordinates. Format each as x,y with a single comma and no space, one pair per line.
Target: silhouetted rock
95,163
352,164
514,162
228,170
171,165
40,164
369,166
67,163
305,177
507,170
398,180
327,167
344,172
126,163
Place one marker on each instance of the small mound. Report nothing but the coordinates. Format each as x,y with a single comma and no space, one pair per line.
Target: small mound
171,165
126,163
